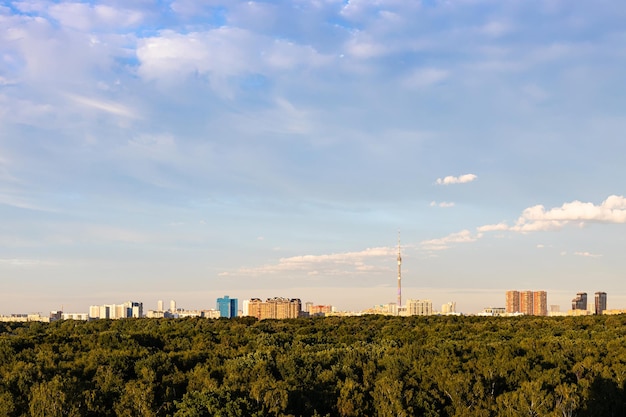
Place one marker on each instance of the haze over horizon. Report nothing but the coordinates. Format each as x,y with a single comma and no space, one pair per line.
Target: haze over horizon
190,149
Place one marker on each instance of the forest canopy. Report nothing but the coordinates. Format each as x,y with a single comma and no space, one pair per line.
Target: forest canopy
336,366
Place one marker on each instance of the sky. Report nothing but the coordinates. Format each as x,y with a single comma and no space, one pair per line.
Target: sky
190,149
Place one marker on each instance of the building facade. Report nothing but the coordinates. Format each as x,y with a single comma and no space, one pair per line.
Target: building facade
419,307
530,303
512,302
580,302
117,311
600,302
275,308
319,310
540,303
448,308
526,303
227,306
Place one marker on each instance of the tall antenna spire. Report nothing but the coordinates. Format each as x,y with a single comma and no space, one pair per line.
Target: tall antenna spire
399,273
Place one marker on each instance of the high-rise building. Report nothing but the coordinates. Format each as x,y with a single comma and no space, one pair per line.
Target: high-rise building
172,306
320,310
117,311
512,302
580,302
275,308
540,303
448,308
227,306
600,302
419,307
531,303
526,303
160,305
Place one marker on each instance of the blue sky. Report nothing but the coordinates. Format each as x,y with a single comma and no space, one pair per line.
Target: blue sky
190,149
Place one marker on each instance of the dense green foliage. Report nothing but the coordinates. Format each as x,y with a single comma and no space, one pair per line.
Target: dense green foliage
353,366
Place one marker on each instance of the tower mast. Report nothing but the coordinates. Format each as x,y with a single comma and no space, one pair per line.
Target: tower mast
399,274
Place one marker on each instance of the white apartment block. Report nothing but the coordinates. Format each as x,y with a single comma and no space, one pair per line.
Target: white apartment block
117,311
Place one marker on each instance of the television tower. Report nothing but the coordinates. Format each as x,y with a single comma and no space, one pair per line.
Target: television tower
399,274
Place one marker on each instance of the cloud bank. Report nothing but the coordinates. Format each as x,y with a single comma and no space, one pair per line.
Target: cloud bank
537,219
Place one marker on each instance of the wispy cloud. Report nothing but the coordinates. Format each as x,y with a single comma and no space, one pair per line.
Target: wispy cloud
348,263
499,227
26,263
442,204
462,179
587,255
104,105
464,236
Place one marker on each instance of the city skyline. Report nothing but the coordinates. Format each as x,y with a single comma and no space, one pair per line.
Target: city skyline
513,301
187,150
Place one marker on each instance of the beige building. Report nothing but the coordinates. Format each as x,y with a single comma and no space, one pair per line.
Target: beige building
275,308
419,308
448,308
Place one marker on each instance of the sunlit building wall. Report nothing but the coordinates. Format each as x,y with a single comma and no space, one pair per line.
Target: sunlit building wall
526,303
419,307
512,302
448,308
540,303
275,308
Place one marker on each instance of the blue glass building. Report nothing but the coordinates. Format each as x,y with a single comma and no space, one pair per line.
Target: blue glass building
227,306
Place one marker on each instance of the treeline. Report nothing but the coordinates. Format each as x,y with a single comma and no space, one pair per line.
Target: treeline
352,366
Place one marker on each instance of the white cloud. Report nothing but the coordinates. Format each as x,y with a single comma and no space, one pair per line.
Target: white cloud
442,204
103,105
537,218
587,254
22,263
86,17
220,54
348,263
365,48
464,236
499,227
462,179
